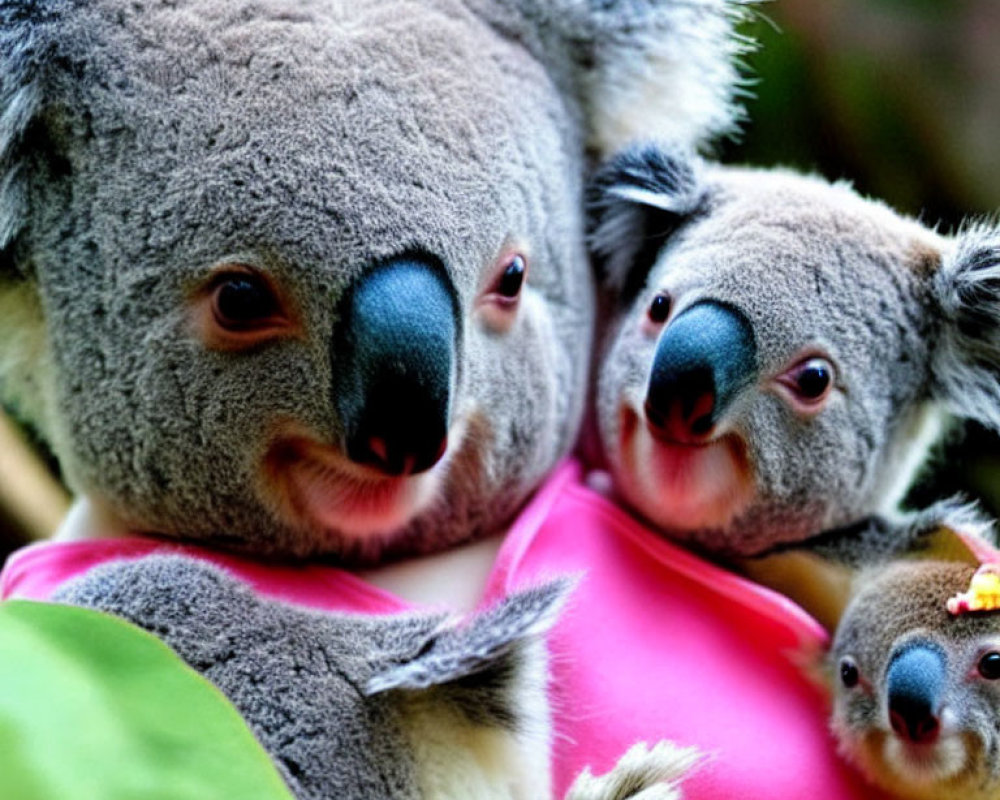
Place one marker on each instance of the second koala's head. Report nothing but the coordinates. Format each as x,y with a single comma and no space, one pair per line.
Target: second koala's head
780,350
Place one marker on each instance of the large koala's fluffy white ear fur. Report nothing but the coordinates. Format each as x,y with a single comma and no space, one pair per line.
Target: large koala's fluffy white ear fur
636,201
21,324
666,68
967,358
19,102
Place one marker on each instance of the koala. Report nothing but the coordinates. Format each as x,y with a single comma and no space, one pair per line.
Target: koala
780,353
916,688
309,279
402,706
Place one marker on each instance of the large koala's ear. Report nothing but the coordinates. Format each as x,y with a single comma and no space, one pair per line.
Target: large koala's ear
635,202
967,354
21,56
640,68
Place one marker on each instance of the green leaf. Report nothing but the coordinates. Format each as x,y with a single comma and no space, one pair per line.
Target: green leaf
93,707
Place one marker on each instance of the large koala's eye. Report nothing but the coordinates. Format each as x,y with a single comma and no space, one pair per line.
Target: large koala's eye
239,308
809,383
241,301
498,302
512,278
850,676
989,665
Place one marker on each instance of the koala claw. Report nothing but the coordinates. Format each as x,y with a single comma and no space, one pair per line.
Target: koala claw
643,773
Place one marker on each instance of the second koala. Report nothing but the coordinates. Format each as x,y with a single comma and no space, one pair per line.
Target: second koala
782,352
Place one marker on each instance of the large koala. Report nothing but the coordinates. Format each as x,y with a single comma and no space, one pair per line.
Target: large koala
782,352
309,278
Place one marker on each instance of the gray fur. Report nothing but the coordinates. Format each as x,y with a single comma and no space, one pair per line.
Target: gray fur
899,606
323,692
905,314
142,145
145,145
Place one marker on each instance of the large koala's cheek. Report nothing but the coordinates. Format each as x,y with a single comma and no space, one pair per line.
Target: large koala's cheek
524,384
151,415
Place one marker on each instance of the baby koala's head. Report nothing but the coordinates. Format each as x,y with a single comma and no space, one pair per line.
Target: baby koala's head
917,687
779,350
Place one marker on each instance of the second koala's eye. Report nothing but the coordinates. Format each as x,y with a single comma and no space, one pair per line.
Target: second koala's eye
849,675
659,308
989,666
243,301
809,382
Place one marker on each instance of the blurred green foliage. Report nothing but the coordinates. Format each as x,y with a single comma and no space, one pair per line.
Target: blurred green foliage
93,707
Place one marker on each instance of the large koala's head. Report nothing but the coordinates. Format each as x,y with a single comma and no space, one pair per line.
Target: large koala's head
779,349
310,277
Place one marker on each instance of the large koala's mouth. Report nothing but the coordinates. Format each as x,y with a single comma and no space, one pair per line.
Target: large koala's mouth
682,486
316,488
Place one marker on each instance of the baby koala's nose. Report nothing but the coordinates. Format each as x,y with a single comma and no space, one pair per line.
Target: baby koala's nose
703,359
914,684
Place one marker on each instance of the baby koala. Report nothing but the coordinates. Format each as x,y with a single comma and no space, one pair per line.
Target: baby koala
780,352
915,671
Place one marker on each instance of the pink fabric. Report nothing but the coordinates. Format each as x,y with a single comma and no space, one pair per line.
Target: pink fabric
655,644
36,571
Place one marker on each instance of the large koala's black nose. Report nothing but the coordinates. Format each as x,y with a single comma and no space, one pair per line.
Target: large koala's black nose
394,357
914,685
704,357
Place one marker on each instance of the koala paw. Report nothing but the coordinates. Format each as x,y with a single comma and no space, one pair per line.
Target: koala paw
643,773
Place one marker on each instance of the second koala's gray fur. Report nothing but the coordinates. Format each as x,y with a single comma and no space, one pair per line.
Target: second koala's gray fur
781,351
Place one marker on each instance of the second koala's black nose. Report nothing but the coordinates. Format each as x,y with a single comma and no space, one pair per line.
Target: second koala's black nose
915,683
394,359
703,359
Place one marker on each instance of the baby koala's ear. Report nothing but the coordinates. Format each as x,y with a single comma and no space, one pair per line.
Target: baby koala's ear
967,354
635,201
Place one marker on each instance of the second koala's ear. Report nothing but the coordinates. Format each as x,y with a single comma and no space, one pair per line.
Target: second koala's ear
635,202
967,354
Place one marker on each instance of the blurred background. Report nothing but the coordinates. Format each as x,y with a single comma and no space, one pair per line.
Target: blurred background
902,97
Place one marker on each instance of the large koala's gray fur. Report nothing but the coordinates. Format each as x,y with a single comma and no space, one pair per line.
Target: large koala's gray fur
411,706
909,318
339,701
145,145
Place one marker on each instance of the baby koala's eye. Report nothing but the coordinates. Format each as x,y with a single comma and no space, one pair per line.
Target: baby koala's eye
989,665
849,674
242,300
659,308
